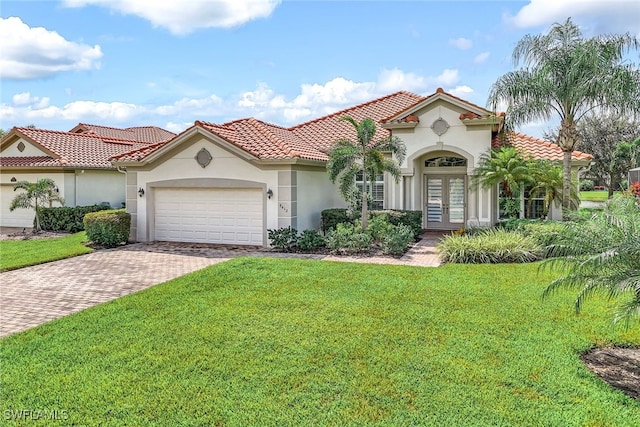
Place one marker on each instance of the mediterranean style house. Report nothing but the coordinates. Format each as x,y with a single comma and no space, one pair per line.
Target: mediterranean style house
232,182
77,161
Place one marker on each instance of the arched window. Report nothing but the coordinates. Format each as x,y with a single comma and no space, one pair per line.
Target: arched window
445,162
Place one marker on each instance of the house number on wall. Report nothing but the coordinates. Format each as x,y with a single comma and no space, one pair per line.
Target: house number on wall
284,209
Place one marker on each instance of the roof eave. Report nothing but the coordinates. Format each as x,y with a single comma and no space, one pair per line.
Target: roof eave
399,125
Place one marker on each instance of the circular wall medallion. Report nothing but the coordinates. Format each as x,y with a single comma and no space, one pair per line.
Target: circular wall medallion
440,126
203,158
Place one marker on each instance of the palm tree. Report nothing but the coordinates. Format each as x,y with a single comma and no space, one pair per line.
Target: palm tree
602,255
567,76
347,158
504,166
35,195
546,180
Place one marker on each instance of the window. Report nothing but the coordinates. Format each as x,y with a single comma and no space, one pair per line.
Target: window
445,162
377,192
533,206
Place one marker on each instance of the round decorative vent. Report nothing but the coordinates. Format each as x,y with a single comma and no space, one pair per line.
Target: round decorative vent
440,126
21,146
203,158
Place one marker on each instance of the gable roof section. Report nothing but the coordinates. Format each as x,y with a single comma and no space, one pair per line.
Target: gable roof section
312,140
145,134
537,148
67,149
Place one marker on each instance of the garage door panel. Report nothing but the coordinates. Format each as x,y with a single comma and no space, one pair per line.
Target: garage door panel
209,215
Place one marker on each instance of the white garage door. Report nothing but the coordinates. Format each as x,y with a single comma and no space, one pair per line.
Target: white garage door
17,218
228,216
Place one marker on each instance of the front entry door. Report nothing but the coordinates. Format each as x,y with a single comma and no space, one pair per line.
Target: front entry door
445,202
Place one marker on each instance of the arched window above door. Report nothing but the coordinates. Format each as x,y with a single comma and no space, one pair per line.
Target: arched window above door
445,162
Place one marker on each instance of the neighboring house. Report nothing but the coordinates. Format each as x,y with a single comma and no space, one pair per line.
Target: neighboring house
230,183
78,162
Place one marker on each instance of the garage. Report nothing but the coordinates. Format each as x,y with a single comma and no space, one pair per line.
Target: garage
17,218
209,215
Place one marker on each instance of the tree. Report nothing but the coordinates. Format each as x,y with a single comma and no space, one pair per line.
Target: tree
504,166
35,195
600,136
546,181
347,158
566,76
602,256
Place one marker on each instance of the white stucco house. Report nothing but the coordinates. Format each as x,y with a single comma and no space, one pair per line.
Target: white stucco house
77,161
232,182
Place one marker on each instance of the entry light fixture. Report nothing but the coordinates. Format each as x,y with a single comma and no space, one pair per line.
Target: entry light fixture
13,179
141,191
56,189
269,193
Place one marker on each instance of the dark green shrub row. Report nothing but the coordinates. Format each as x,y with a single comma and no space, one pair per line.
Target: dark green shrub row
287,239
332,217
66,218
413,219
586,185
108,228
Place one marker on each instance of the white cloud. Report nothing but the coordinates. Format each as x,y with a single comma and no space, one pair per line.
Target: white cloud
30,53
604,16
481,58
461,43
312,100
183,17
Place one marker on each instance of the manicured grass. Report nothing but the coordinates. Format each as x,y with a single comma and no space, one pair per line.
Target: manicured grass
22,253
594,196
277,342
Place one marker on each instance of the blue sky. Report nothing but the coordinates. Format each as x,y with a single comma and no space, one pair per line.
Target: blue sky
168,63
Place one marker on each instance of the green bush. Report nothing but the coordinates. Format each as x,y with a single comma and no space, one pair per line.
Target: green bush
413,219
310,240
379,225
490,247
332,217
108,228
586,185
347,238
284,239
66,218
396,240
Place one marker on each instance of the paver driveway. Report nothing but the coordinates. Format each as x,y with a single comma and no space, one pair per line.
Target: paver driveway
34,295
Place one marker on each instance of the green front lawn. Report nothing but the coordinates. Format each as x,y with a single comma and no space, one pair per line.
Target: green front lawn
594,196
277,342
22,253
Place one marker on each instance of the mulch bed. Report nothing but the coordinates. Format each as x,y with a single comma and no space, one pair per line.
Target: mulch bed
620,367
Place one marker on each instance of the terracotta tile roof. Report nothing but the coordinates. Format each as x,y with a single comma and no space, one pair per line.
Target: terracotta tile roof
146,134
323,132
83,150
537,148
28,161
313,139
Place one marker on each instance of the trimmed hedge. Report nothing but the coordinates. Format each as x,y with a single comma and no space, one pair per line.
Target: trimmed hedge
66,218
332,217
108,228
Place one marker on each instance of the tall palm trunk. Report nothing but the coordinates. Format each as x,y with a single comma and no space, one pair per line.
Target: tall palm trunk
567,138
365,201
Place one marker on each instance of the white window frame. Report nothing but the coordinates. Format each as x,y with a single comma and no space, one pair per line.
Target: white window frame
378,193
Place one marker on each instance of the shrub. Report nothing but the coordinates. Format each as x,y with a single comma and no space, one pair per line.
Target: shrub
492,246
379,225
586,185
413,219
310,240
332,217
66,218
283,239
396,240
347,238
108,228
634,189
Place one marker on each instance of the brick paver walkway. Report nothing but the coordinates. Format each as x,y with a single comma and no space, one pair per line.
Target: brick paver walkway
34,295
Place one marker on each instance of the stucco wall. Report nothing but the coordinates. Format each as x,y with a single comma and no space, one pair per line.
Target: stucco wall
29,149
315,193
22,217
99,186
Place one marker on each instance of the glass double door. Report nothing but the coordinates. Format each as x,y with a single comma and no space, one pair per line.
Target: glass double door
445,201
